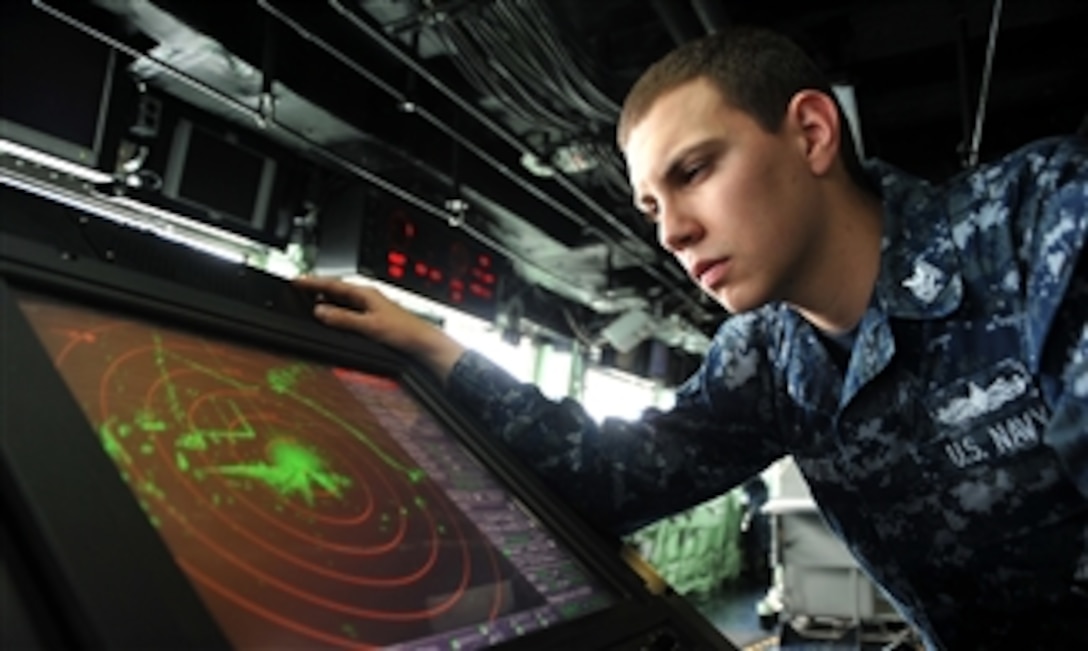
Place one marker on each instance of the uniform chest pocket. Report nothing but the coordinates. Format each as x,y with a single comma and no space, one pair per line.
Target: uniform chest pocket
988,471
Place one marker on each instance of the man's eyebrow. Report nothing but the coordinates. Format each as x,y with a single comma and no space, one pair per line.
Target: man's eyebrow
676,159
673,168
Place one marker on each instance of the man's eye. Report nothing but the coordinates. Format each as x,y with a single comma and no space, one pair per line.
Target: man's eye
690,172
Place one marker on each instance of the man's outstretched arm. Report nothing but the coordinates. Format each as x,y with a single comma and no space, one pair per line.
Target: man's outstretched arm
368,312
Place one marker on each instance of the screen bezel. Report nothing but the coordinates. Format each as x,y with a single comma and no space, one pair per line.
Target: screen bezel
102,587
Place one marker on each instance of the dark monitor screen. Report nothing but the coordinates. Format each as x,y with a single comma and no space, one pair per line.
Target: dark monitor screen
54,84
199,162
309,505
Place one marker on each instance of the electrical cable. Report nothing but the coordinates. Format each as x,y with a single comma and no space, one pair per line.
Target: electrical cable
456,39
580,334
544,26
525,39
543,64
511,59
984,89
529,41
518,93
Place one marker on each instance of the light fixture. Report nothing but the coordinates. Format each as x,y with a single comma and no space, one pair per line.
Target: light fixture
629,330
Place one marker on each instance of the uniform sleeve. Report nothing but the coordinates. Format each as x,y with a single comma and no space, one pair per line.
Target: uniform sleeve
1057,293
623,475
1068,430
1065,378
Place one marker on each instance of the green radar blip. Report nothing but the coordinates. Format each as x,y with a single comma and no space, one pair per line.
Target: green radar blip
291,469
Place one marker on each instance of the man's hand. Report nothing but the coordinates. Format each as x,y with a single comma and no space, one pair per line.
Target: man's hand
368,312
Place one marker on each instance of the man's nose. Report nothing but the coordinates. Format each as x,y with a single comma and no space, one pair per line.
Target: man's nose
677,229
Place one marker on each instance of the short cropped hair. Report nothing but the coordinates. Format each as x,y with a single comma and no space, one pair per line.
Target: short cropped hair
756,70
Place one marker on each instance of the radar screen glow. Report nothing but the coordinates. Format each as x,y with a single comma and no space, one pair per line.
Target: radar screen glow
309,506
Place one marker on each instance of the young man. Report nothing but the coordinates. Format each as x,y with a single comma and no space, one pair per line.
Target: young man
921,351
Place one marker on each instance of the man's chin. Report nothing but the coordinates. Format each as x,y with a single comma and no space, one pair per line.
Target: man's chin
736,302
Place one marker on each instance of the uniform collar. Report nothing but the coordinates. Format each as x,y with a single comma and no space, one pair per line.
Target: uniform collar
919,279
920,269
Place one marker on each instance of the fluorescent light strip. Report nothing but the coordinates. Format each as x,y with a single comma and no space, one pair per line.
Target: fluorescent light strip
137,216
52,162
210,248
175,220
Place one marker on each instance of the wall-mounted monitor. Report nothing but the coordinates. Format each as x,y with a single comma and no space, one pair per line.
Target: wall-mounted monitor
216,173
180,468
55,85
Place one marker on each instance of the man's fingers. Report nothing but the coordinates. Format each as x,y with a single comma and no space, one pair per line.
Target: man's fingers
342,317
314,283
333,290
327,284
358,308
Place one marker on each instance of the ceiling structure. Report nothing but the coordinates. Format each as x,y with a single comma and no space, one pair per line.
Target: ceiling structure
497,116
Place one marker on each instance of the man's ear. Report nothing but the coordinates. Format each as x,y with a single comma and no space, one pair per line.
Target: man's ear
816,116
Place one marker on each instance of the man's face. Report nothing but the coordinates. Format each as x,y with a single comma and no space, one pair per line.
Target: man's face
735,204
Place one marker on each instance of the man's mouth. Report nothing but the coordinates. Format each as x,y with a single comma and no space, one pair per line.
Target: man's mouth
710,272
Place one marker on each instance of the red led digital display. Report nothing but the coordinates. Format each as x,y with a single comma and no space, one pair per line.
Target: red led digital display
436,261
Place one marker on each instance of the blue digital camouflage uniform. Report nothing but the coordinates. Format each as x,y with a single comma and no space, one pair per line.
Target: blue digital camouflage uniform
952,455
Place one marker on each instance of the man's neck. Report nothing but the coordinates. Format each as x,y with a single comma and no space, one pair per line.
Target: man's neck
841,277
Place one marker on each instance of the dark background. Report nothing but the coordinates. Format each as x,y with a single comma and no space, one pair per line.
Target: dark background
490,122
